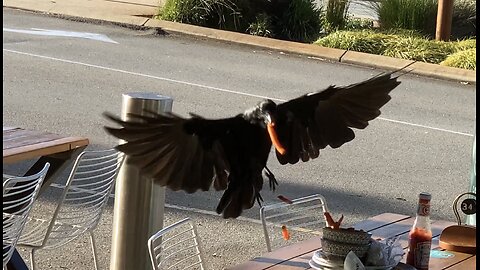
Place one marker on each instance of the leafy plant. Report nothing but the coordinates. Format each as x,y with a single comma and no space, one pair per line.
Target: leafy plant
464,18
301,21
225,15
465,44
417,15
185,11
405,44
404,33
222,14
336,14
466,59
358,23
419,49
262,26
296,20
362,41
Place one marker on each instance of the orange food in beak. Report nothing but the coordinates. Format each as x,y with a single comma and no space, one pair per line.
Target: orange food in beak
274,138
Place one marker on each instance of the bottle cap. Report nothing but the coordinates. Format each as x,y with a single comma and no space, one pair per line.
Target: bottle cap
425,196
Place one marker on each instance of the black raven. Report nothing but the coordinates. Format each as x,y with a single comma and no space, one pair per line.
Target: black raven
195,153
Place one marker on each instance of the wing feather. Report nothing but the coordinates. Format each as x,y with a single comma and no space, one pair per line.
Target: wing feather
220,168
312,122
183,154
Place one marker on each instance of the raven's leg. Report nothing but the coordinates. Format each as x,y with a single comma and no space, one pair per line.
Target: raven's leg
259,199
271,179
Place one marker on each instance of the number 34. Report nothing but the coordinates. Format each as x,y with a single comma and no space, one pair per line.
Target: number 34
469,206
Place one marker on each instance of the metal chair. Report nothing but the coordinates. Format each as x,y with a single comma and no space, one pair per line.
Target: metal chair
81,204
301,218
19,193
176,247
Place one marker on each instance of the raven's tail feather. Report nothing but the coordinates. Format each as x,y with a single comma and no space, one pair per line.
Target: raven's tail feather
237,198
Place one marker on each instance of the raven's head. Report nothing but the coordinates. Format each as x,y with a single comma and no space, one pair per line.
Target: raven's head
262,114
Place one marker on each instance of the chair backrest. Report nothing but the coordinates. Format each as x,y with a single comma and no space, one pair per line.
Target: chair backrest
468,206
19,193
176,247
301,218
84,197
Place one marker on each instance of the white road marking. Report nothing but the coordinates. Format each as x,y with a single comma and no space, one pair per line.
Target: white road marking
143,75
422,126
213,88
61,33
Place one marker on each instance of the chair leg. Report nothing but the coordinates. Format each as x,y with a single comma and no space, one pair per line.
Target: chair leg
32,258
94,250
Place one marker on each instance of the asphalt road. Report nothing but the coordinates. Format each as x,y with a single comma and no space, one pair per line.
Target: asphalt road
421,142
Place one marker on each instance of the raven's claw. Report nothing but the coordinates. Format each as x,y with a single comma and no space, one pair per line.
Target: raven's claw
272,181
259,199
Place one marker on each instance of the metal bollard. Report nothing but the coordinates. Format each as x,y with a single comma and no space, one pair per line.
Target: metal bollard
139,203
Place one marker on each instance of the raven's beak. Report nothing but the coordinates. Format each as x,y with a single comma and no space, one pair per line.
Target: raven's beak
273,135
269,118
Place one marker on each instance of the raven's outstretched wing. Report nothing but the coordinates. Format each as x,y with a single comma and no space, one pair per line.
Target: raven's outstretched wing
311,122
190,154
174,151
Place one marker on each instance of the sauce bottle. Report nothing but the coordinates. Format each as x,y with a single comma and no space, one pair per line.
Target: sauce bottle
420,236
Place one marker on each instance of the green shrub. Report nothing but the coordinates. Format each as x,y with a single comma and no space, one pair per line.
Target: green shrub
222,14
185,11
466,59
464,18
336,14
419,49
417,15
362,41
227,15
405,44
262,26
465,44
296,20
301,21
353,23
404,33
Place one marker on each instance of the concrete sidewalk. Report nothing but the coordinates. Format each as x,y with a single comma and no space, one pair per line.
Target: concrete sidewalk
225,243
139,13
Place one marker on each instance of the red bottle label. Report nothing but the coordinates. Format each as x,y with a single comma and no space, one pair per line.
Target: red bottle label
422,255
420,243
423,209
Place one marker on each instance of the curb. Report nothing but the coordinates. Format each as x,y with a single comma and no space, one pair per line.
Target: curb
246,39
337,55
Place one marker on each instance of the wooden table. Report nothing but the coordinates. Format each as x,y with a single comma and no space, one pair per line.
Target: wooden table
21,144
296,256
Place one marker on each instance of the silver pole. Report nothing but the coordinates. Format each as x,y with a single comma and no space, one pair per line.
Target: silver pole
472,219
139,203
